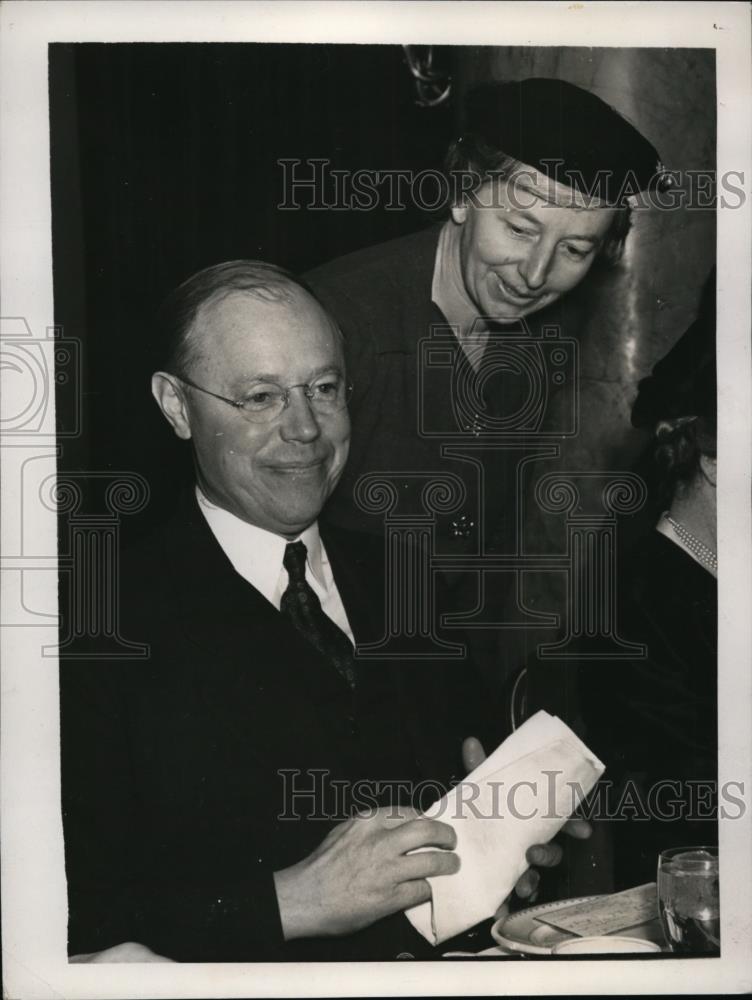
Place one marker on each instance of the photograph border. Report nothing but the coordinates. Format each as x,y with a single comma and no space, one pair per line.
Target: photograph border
33,881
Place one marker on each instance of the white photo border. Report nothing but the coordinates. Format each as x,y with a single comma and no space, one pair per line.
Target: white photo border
33,882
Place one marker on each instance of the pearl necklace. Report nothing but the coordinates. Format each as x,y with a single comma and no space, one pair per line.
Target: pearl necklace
695,546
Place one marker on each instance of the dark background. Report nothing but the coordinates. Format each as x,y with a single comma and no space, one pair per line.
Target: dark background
164,161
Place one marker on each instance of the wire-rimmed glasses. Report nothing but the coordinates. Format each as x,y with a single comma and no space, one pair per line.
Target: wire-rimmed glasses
266,401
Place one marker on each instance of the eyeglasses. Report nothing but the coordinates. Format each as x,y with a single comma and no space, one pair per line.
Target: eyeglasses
267,400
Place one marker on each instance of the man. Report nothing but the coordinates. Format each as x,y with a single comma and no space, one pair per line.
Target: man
208,791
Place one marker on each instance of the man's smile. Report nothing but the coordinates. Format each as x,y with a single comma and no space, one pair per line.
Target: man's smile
297,467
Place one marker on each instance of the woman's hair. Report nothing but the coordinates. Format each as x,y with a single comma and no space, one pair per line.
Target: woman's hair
470,162
679,445
678,400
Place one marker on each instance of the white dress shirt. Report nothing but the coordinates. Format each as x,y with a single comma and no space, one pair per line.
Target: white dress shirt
257,556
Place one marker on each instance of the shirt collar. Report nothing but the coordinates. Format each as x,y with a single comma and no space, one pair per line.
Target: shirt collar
255,553
312,541
448,288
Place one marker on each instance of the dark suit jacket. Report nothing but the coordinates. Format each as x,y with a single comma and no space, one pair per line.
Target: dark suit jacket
177,770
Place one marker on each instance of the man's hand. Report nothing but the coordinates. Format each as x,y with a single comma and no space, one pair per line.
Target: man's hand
362,872
540,855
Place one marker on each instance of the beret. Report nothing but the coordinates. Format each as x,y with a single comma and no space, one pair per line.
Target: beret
566,133
683,383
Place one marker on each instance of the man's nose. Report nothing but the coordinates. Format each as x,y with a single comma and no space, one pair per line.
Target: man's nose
535,267
299,421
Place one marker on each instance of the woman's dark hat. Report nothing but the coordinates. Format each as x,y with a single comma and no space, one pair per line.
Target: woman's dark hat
683,384
566,133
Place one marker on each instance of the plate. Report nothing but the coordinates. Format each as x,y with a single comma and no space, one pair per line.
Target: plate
523,933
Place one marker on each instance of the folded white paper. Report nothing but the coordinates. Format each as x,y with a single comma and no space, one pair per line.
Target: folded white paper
519,796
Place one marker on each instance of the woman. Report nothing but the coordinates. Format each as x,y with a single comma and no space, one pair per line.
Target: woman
653,720
444,333
539,184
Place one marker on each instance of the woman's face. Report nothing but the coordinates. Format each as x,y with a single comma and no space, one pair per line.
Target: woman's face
525,243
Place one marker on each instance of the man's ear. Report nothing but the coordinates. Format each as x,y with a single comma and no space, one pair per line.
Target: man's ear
171,400
709,467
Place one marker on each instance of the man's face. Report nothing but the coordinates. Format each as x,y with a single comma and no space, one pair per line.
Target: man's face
275,475
519,251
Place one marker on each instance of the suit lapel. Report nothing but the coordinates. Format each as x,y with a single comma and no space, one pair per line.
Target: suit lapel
358,588
357,563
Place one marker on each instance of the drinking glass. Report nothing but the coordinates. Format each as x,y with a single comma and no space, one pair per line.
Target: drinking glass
688,900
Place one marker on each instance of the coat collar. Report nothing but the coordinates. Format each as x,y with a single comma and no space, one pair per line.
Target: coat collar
223,614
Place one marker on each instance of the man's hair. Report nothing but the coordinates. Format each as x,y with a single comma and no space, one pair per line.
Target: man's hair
472,156
176,316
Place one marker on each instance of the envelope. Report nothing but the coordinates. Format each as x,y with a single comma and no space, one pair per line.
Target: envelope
521,795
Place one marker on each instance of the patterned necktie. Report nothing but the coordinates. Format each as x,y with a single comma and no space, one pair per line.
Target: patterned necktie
302,607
